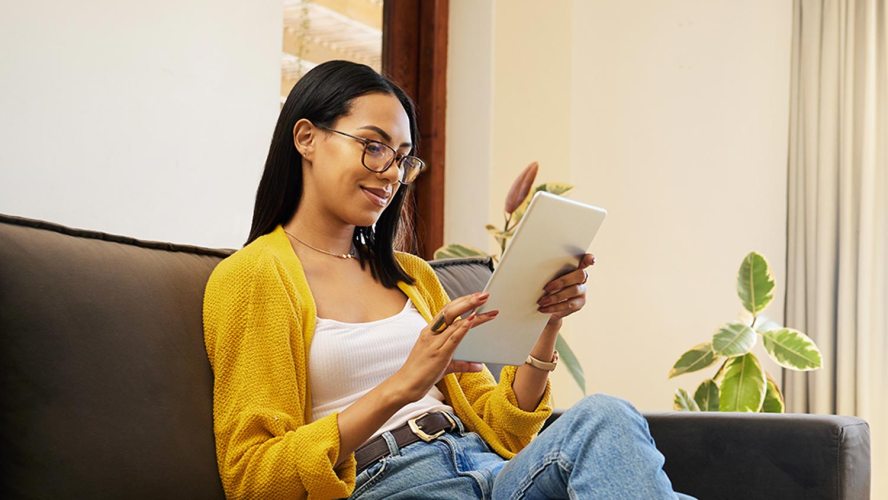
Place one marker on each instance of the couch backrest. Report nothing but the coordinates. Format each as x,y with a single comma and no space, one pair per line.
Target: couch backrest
107,391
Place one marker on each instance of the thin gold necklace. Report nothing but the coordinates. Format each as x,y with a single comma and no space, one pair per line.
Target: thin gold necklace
316,249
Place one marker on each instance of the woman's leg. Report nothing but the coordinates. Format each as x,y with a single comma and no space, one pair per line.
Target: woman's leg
600,448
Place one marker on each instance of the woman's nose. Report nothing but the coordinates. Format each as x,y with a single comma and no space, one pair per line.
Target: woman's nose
391,174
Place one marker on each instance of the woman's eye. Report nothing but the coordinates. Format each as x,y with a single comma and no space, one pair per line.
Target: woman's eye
375,149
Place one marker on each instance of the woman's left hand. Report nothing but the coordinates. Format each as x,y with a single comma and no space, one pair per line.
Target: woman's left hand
566,294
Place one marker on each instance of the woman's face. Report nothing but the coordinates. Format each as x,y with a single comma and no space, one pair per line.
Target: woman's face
336,175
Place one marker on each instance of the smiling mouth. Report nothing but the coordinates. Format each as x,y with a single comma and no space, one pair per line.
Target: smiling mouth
377,196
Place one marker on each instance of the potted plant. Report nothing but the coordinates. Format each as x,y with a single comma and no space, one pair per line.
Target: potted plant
741,383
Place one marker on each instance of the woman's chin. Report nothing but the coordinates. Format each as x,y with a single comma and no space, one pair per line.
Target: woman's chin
367,218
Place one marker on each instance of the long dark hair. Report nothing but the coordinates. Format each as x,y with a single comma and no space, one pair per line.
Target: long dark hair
322,96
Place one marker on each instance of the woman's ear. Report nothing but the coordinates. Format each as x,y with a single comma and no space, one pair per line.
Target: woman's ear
304,138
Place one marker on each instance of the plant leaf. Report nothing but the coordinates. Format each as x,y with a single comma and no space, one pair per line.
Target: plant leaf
743,388
455,250
755,283
700,356
792,349
733,339
520,187
558,188
706,395
567,356
773,398
683,402
499,235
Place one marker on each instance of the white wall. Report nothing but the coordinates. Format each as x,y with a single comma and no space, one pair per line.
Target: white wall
672,115
149,119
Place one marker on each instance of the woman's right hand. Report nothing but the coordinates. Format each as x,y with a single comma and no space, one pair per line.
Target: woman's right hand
431,357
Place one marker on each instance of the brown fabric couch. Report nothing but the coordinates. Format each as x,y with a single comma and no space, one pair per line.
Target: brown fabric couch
107,391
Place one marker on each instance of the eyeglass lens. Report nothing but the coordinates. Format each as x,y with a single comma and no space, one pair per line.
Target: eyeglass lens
378,157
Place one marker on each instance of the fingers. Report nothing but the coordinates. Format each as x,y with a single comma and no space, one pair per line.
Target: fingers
455,332
575,277
563,295
564,308
457,308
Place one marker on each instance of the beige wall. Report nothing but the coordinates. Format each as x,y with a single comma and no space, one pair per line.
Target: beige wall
508,104
672,115
469,112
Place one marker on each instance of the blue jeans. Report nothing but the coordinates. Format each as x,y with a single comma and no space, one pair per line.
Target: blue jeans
600,448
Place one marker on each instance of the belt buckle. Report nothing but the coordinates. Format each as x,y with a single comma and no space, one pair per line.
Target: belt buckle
416,429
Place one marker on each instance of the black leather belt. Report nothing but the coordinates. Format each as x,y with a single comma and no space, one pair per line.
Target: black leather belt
426,427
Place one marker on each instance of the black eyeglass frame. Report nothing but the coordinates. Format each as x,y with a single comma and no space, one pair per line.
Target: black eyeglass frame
395,156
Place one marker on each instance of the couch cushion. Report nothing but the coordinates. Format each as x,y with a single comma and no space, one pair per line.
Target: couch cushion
463,276
765,455
107,391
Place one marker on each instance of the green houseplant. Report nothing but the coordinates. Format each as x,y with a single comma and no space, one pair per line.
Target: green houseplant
741,383
517,201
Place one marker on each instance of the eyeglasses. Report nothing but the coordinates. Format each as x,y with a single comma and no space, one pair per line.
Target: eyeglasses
379,157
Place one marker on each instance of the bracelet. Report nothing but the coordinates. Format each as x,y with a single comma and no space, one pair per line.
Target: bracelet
542,365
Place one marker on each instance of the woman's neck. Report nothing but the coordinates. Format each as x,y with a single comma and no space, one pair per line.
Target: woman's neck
321,232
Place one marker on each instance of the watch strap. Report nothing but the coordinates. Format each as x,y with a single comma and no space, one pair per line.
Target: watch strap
542,365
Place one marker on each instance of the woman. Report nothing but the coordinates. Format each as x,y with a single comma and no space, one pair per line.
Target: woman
332,353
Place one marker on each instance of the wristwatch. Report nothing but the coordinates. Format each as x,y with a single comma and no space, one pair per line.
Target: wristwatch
542,365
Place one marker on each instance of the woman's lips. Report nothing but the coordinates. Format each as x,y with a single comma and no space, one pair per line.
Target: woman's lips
375,196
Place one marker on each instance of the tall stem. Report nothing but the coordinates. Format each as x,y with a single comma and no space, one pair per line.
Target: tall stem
508,218
722,367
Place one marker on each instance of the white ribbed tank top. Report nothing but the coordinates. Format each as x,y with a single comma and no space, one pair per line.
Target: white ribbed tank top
347,360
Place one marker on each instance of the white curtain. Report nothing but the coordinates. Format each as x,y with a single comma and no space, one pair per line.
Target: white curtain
837,246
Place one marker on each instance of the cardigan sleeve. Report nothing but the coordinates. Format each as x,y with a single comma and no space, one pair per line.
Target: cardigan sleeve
494,402
253,337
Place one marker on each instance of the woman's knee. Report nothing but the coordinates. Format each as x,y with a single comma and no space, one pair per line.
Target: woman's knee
606,418
604,410
602,404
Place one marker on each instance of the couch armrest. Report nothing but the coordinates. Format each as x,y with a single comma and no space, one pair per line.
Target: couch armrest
749,455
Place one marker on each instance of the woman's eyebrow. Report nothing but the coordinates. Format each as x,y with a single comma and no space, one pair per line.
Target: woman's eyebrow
385,135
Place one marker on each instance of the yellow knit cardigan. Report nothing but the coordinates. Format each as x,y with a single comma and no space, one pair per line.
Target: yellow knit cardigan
259,318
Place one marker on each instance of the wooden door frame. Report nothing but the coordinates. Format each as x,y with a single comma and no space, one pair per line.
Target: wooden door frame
414,55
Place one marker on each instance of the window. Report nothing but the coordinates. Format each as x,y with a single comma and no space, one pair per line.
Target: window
316,31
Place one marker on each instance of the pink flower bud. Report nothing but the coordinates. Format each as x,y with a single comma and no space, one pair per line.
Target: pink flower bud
521,186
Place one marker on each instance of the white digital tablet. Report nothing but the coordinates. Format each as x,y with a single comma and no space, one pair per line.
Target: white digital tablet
550,240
